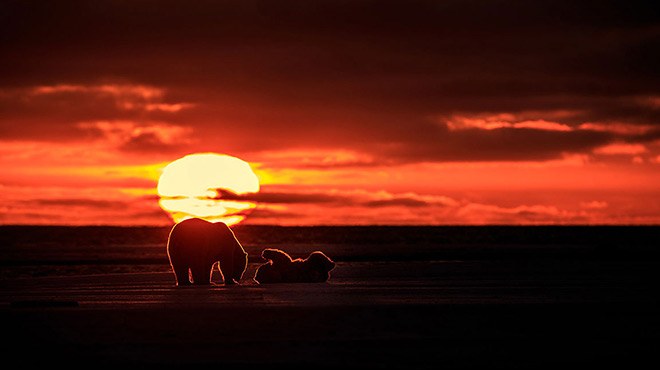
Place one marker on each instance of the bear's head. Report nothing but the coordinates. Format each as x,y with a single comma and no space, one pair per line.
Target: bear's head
320,262
316,268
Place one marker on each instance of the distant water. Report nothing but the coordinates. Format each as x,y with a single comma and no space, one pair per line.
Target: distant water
60,250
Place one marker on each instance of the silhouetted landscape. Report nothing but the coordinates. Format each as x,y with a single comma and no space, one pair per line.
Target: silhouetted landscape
399,297
478,119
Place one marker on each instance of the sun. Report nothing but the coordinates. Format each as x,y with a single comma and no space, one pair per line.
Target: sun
207,186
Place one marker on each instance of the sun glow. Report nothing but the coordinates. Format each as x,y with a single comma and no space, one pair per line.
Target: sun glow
193,186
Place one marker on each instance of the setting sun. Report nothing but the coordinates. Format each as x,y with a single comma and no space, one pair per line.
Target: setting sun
192,186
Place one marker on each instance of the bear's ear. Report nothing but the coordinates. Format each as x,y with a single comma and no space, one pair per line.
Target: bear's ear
321,261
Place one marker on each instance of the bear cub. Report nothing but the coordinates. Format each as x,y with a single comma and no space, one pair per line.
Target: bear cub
280,268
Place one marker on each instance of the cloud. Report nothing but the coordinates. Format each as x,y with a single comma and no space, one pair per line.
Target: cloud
503,144
47,204
165,107
271,215
361,206
477,213
409,200
120,92
415,209
317,158
621,148
594,204
62,112
503,120
483,137
336,197
134,137
404,202
357,80
79,202
148,142
618,128
285,198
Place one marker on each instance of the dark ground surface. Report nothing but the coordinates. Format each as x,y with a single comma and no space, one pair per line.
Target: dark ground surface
426,298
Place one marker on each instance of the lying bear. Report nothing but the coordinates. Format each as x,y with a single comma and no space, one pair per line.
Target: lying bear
195,245
280,268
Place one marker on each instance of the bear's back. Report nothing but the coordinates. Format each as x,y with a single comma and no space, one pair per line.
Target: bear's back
190,235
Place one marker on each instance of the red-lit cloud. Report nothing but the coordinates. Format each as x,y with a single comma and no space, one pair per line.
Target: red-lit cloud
411,112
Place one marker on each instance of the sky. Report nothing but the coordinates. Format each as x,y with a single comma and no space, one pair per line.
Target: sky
349,112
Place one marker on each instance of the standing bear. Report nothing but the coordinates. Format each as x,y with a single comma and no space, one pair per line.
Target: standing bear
195,245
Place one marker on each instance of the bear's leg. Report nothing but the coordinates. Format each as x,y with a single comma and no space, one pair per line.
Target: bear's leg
201,273
226,268
182,276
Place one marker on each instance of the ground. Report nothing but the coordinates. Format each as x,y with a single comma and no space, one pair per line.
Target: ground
415,314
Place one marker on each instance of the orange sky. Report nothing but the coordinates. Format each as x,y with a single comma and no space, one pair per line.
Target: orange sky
349,113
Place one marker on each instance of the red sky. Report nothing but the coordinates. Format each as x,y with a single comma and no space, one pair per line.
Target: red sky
411,112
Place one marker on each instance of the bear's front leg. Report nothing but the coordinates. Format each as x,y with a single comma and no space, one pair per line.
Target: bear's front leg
201,274
226,268
181,274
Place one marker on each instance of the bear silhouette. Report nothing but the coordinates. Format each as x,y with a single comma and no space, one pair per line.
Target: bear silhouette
195,245
280,268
